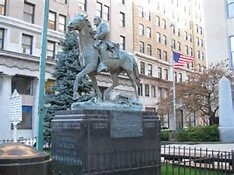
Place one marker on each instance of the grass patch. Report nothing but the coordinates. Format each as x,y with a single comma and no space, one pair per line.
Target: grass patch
183,170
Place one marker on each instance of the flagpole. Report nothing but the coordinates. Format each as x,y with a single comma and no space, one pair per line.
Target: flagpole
174,96
173,120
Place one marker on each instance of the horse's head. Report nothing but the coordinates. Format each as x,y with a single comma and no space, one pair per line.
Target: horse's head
77,23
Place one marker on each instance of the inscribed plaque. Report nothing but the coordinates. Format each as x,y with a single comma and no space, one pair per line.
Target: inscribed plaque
125,124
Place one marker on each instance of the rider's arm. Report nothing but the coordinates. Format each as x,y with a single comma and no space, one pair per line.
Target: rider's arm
103,31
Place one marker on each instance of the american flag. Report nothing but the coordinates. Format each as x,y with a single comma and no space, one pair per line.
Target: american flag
180,60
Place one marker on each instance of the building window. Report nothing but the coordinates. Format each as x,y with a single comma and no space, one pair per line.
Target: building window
2,7
146,90
180,77
149,49
148,32
141,11
185,35
142,67
106,12
2,38
99,9
202,56
122,42
164,55
173,44
164,40
141,29
158,37
230,4
198,54
197,41
197,28
122,19
173,29
159,53
27,41
179,46
149,16
29,12
51,50
200,31
142,47
157,5
190,37
191,51
160,90
62,1
23,85
153,94
62,23
158,21
186,49
201,43
140,90
52,20
26,122
178,32
150,69
159,72
164,24
166,74
82,5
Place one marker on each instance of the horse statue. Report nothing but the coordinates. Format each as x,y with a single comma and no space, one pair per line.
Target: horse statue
125,63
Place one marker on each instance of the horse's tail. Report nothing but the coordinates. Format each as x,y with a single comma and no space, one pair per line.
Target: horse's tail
136,72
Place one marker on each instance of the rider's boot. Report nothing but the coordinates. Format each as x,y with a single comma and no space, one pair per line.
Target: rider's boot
101,67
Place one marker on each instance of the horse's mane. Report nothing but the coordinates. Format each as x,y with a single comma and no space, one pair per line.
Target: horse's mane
91,30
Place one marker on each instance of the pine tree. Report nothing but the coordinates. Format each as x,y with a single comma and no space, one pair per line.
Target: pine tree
68,64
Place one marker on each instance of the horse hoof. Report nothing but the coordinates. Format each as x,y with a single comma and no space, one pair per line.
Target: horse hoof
75,96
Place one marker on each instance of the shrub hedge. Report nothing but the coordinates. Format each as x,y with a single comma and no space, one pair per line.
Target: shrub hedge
165,135
198,134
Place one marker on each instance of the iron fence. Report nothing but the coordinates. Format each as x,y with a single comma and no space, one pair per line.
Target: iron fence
175,160
122,161
30,141
192,161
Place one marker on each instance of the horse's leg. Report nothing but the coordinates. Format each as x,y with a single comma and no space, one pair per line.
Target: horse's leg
133,80
114,77
94,81
81,74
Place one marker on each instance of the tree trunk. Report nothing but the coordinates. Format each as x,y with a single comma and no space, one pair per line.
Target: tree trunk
213,120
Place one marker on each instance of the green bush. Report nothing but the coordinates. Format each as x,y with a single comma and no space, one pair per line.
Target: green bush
198,134
165,135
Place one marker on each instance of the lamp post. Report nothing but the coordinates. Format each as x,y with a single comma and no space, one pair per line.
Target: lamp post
41,89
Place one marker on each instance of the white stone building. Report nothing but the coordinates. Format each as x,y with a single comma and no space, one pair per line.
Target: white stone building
219,29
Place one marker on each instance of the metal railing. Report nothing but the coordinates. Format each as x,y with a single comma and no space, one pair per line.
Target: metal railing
30,142
195,161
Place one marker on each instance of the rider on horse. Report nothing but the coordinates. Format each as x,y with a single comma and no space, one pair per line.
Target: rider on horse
102,36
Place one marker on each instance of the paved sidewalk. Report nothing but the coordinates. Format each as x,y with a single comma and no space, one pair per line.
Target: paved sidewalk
210,146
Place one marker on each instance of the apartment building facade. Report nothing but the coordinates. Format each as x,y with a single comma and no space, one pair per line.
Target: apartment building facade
148,34
161,27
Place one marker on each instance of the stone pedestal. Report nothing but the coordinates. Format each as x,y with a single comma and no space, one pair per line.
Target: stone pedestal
106,142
